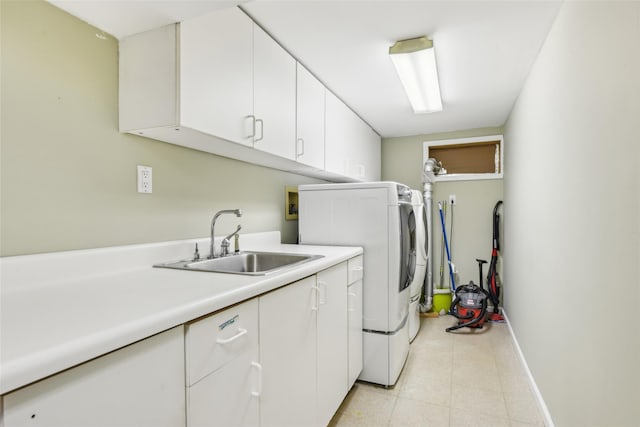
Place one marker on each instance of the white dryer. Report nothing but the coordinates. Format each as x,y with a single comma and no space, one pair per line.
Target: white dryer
379,217
421,263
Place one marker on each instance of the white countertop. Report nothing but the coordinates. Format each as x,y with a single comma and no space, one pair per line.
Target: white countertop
62,309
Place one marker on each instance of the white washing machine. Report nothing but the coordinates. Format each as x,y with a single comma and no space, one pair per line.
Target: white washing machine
379,217
421,264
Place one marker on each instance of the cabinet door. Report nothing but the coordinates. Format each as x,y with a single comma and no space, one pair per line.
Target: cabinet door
141,384
352,148
354,293
147,80
224,398
287,354
223,373
336,135
309,119
366,154
216,63
332,341
274,81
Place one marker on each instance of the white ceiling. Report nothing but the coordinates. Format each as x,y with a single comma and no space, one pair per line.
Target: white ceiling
484,49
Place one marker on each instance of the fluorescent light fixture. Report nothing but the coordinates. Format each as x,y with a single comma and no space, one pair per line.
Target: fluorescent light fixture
415,62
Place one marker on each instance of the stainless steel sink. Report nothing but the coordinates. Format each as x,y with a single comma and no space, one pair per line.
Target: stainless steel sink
250,263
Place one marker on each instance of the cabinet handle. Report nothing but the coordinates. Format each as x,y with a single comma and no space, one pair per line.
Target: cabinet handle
261,130
259,369
351,306
240,333
317,294
300,153
253,125
322,290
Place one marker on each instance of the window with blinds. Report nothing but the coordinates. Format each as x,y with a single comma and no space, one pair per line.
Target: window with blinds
469,158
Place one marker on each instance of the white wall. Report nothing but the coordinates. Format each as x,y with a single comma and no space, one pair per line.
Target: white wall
572,218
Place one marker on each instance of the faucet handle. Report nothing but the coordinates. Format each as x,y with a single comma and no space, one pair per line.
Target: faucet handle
224,246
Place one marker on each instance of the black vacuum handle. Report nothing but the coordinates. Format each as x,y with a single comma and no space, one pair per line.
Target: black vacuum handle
480,262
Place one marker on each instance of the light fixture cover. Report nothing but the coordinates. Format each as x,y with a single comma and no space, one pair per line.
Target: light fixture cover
415,62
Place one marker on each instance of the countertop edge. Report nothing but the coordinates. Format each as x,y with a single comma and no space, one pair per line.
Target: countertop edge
28,368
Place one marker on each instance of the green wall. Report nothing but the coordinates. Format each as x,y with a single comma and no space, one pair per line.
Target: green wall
68,177
572,221
402,162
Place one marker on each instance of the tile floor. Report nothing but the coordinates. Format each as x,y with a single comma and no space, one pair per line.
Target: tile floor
468,378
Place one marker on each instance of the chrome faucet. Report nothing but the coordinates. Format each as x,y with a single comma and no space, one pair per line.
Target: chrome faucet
236,212
224,246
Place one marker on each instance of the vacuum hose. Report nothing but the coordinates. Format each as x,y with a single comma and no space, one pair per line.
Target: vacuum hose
473,321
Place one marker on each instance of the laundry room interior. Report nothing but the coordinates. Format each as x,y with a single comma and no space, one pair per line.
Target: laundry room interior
129,196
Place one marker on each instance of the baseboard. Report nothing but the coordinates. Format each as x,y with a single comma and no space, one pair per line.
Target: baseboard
548,422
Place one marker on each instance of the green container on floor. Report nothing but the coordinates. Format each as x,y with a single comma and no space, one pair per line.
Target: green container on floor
441,300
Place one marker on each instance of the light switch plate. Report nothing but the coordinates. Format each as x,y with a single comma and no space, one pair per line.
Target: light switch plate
145,179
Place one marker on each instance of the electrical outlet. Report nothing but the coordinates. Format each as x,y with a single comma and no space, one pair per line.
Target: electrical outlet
452,199
145,179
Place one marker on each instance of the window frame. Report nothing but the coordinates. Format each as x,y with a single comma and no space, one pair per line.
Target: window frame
461,141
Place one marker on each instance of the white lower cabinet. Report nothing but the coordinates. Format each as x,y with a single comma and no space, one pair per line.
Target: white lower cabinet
223,372
355,331
288,353
285,358
139,385
354,310
303,350
332,354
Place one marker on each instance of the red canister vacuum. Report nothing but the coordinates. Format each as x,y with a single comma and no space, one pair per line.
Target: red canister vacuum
470,304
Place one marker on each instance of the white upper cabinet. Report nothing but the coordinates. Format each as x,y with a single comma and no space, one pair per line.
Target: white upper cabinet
216,75
310,119
235,82
219,83
336,151
352,148
148,80
274,88
366,145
